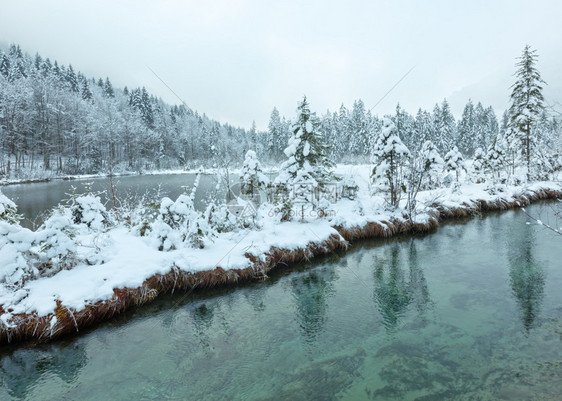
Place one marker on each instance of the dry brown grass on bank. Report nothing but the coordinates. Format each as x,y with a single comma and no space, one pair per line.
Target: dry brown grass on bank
32,328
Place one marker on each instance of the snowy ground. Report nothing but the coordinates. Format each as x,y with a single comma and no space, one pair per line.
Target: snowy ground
125,260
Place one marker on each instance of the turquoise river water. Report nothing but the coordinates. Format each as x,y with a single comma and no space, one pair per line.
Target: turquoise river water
472,311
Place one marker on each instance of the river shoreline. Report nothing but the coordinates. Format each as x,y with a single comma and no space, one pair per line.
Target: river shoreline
5,183
34,329
82,177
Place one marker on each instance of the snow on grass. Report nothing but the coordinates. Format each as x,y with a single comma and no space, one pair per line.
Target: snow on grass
123,259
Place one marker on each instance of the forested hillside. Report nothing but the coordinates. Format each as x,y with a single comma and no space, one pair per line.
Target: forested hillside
56,121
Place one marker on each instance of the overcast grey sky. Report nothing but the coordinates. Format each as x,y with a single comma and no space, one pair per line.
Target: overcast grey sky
236,59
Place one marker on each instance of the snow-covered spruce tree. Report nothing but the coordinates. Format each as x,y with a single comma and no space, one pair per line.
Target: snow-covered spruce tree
478,167
305,175
496,158
423,127
512,149
404,123
543,164
276,137
454,162
431,165
252,178
444,126
390,156
526,104
465,129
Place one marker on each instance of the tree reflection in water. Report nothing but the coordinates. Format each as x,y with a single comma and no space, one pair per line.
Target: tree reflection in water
203,317
23,368
395,289
527,276
310,291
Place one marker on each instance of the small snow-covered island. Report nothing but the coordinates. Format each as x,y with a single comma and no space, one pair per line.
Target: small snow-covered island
89,260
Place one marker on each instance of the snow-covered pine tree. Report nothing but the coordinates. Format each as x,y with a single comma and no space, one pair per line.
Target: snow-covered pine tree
86,92
478,167
445,126
543,164
342,127
4,66
18,65
88,213
390,156
404,123
423,128
72,80
496,158
431,165
526,103
252,178
454,162
357,136
307,165
479,129
512,148
465,140
276,135
108,88
491,126
329,135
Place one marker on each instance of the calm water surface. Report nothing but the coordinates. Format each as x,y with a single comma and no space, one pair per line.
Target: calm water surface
471,312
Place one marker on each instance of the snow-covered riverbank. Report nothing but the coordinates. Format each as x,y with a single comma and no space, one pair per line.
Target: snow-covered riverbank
117,268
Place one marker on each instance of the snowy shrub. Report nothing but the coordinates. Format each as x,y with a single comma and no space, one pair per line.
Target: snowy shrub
220,218
284,210
139,215
15,254
88,211
323,209
8,210
178,223
252,178
25,254
56,241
